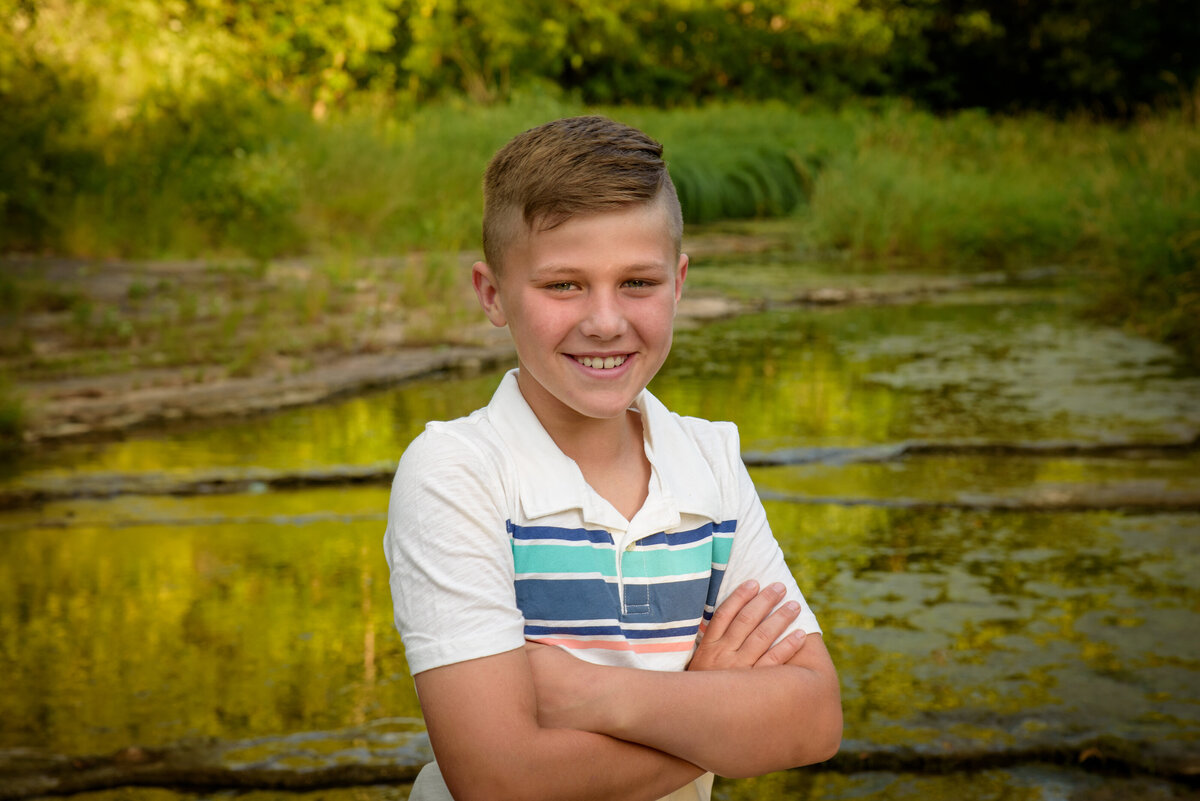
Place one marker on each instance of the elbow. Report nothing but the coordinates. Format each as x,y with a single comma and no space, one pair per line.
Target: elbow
816,741
824,736
820,738
826,742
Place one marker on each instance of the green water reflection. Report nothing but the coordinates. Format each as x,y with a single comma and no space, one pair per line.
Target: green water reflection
991,480
978,624
155,619
1001,625
151,634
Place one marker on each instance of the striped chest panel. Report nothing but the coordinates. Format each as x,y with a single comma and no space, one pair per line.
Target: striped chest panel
577,590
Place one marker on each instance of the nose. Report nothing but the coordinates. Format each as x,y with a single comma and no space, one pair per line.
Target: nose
604,318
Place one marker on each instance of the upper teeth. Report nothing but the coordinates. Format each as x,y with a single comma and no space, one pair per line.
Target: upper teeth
602,362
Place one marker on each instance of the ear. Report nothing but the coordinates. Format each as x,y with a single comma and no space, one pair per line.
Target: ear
487,289
680,274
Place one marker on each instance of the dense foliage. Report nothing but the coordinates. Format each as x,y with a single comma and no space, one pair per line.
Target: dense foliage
213,126
1052,54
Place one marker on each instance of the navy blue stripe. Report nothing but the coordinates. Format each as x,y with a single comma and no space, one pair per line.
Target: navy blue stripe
678,537
554,533
601,536
617,631
688,537
592,599
570,599
714,586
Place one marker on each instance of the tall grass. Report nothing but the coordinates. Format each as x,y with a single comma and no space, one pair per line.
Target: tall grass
1148,210
744,161
1121,202
240,177
966,190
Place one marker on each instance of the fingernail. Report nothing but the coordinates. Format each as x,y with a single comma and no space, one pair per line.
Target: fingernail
750,585
798,636
792,607
776,588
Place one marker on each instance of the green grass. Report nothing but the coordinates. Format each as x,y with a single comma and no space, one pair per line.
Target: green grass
253,180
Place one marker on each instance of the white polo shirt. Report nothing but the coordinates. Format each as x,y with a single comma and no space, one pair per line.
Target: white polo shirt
495,538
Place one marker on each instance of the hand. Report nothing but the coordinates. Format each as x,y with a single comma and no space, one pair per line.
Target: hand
743,629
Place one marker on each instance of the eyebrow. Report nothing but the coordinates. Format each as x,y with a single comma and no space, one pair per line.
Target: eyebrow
553,271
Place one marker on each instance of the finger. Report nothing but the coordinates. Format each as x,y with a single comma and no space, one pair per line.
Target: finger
729,609
752,614
766,633
784,650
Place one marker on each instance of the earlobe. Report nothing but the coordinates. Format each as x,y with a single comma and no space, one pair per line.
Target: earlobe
487,289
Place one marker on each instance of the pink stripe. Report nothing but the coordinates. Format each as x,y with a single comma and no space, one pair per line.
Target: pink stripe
621,645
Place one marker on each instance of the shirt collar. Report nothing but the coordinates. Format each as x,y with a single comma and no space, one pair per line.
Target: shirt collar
551,482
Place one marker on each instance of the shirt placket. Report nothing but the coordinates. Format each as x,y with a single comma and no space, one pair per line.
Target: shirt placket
635,597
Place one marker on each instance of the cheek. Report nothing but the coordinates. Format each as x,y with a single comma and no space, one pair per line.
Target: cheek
546,322
657,325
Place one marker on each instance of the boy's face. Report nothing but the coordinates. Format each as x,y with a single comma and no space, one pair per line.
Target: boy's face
590,305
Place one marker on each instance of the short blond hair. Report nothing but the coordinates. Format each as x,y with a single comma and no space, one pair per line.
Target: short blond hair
570,167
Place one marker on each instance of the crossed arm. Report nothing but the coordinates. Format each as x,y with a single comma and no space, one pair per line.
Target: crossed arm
539,723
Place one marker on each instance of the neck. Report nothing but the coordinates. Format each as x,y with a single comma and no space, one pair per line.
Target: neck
590,440
587,440
609,451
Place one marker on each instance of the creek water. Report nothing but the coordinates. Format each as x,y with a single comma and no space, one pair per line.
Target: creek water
992,504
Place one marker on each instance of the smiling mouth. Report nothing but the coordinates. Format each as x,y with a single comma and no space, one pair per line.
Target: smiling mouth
601,362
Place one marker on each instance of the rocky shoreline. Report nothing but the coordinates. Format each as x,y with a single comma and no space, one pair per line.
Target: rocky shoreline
108,404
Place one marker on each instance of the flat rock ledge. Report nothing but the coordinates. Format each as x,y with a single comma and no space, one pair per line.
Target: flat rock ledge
392,751
92,413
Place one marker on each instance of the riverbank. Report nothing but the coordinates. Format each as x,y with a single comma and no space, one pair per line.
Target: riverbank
112,346
103,347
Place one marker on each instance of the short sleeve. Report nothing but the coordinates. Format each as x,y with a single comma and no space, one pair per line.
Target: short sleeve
755,553
449,555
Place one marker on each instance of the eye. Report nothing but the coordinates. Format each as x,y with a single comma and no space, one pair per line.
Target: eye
561,286
639,283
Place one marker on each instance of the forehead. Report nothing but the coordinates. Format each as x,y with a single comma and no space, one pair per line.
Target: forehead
631,236
642,231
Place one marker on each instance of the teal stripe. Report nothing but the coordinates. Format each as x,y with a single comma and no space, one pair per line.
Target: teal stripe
665,562
543,558
720,549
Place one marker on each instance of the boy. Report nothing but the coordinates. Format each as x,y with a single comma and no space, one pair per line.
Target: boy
555,555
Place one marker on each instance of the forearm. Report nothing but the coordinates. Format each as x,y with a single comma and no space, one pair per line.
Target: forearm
768,718
736,722
483,724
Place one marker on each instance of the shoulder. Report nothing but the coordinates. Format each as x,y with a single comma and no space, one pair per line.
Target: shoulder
718,441
451,453
697,458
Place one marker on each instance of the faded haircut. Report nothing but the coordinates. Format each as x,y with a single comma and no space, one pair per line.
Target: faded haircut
565,168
